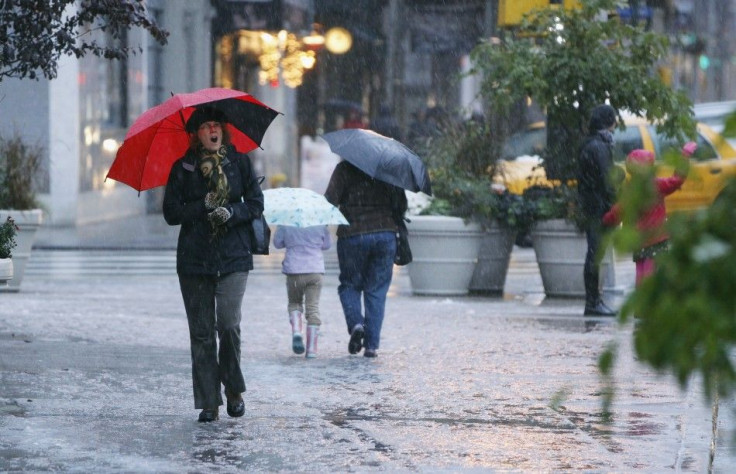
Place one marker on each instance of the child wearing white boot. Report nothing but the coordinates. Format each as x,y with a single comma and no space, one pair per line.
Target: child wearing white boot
304,267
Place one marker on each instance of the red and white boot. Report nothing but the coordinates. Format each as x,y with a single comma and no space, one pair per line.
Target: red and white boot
297,340
312,337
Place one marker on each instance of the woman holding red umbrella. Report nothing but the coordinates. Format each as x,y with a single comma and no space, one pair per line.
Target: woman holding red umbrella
213,194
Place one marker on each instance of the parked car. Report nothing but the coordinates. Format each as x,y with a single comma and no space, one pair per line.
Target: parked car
711,165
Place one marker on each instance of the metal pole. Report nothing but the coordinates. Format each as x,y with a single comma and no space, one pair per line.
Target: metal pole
391,66
723,48
491,18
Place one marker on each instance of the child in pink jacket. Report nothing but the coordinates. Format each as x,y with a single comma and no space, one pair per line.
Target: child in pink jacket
651,222
304,267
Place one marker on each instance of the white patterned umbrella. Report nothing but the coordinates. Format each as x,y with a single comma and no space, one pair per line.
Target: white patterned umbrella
299,207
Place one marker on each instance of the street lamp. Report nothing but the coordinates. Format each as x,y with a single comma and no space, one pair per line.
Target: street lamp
338,40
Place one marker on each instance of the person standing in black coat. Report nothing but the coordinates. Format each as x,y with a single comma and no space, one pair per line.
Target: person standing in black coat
597,195
212,193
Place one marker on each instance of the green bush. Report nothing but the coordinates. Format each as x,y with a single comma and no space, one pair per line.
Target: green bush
559,202
476,198
463,162
19,165
8,230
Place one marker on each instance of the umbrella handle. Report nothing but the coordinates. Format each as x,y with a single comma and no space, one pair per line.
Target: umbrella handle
183,122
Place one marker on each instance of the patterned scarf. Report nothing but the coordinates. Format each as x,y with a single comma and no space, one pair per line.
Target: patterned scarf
210,163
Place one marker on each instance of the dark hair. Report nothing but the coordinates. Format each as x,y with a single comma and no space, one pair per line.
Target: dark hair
204,114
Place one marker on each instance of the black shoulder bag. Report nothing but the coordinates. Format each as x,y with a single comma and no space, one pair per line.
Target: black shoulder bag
403,251
260,233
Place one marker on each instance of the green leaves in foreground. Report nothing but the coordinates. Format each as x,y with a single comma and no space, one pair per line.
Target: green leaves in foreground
686,311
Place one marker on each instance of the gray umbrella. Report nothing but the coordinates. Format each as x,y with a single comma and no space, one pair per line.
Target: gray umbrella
381,157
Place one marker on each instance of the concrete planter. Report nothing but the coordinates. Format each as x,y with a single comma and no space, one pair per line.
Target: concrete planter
494,255
560,249
445,251
28,222
6,271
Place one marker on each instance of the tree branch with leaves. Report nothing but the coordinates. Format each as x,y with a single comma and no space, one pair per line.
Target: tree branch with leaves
35,34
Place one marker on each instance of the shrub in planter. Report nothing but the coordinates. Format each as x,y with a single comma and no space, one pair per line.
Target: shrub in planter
462,163
559,202
463,160
477,199
8,230
19,166
497,214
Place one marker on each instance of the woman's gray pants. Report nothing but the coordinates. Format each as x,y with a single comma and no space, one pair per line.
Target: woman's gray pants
213,311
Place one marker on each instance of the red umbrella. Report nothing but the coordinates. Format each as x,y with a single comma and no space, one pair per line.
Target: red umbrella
157,138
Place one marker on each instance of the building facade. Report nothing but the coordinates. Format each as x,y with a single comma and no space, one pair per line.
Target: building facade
81,117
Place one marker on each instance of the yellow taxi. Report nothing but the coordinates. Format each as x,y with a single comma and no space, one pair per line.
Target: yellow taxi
713,163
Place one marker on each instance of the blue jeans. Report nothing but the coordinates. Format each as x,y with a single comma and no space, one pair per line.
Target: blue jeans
366,268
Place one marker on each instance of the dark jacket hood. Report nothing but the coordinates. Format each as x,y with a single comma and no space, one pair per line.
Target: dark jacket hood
602,117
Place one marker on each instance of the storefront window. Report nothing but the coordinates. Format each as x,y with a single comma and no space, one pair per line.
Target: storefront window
103,95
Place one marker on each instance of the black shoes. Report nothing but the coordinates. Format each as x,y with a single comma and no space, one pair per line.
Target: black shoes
356,340
209,414
235,405
599,309
356,343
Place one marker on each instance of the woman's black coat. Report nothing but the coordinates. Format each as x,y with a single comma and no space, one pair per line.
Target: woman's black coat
198,251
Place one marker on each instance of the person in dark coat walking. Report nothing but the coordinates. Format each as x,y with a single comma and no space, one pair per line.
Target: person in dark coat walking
365,250
597,195
212,193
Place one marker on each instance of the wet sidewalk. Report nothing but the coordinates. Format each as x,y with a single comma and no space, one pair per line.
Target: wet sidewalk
140,232
95,376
